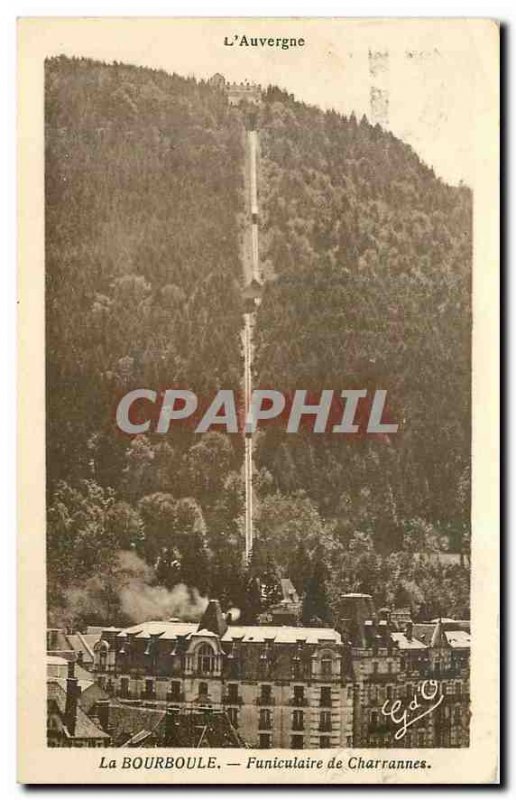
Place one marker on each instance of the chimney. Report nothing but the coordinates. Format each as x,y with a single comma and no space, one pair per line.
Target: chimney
409,630
171,726
72,695
52,639
102,714
213,620
355,609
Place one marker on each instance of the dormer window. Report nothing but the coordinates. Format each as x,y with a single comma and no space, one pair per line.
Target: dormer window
326,666
205,659
265,661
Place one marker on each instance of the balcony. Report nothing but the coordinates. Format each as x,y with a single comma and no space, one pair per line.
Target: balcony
265,701
298,725
265,724
232,700
175,697
299,702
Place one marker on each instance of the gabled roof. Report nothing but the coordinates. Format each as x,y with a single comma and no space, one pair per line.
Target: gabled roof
85,728
126,721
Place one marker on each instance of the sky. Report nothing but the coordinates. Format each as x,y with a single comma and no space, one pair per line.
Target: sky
431,71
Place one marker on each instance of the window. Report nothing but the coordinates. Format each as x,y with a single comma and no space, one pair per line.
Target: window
149,688
266,694
205,659
389,692
298,722
325,696
203,690
374,719
326,664
324,742
296,667
299,695
297,742
325,721
232,693
264,741
350,692
375,667
265,663
265,720
175,690
124,687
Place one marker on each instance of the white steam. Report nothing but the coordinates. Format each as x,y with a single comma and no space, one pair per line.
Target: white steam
142,602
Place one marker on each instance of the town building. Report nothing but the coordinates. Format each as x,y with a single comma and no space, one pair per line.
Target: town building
237,92
282,685
68,725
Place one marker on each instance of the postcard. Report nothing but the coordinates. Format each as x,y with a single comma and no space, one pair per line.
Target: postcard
258,401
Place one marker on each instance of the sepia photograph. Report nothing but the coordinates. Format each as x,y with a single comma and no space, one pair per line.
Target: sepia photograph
257,311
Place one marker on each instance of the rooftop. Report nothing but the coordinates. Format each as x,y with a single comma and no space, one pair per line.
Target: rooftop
85,728
244,633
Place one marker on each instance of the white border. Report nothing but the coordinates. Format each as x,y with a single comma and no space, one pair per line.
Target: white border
504,11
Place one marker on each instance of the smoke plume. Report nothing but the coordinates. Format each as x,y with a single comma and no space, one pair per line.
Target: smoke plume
129,594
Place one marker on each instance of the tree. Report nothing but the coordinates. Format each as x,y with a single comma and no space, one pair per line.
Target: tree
82,542
316,607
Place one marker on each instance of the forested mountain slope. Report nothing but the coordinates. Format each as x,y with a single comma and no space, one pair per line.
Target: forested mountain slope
369,257
372,259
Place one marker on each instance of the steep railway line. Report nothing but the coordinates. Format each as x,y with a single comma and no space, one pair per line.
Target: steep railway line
252,282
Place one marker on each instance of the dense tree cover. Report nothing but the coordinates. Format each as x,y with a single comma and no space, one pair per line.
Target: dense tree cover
371,259
143,193
370,256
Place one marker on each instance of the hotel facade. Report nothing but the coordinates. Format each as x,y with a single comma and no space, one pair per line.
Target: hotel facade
286,686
